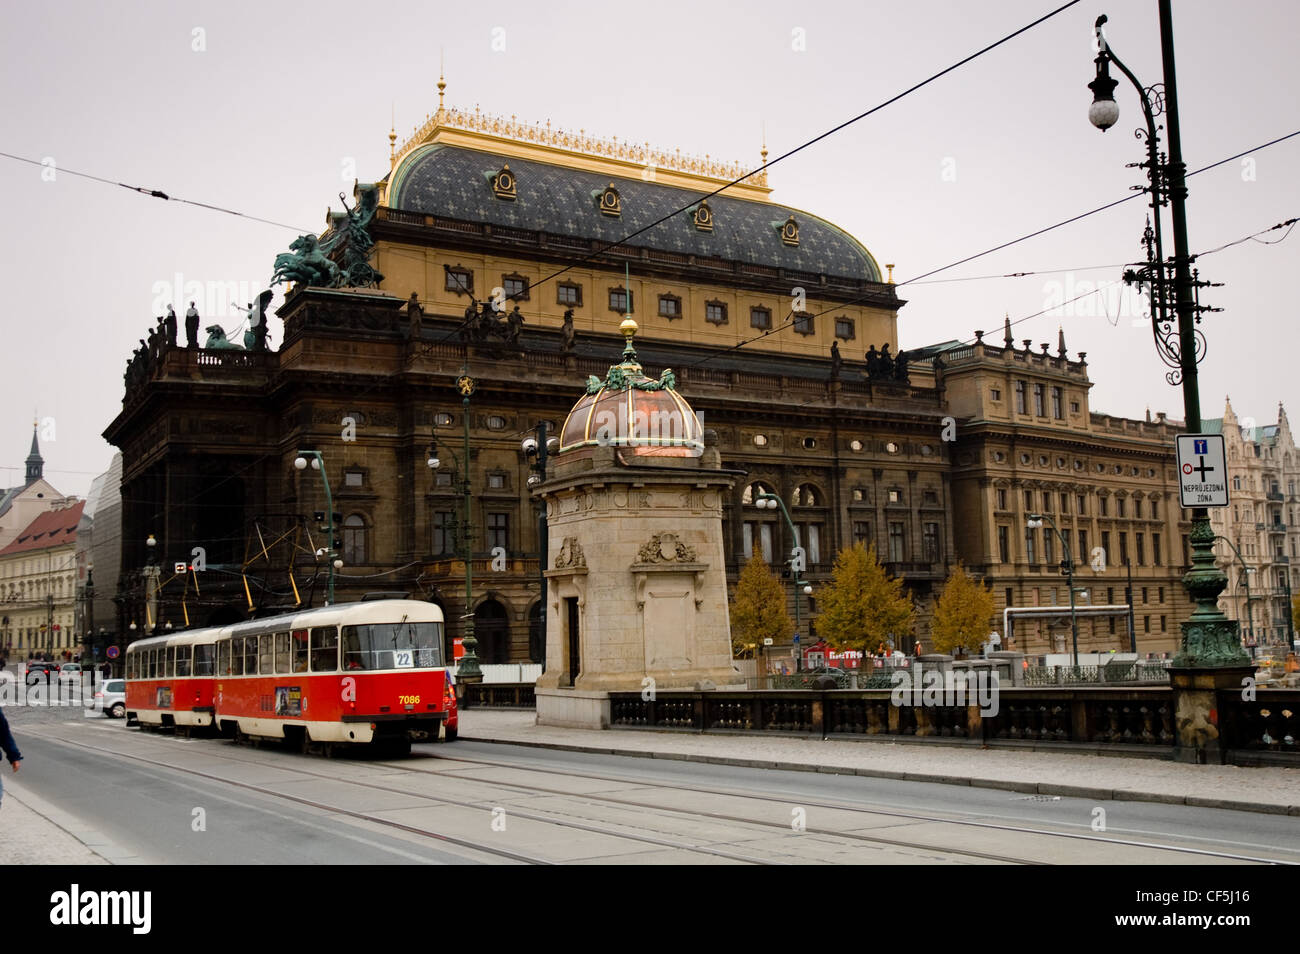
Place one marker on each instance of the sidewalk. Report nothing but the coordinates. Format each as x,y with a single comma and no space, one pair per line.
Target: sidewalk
29,837
1268,790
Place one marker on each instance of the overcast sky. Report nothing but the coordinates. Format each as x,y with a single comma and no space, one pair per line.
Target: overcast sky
266,108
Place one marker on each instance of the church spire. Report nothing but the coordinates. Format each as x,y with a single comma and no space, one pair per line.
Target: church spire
35,463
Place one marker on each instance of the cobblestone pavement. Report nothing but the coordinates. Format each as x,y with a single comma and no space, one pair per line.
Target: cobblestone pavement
1273,790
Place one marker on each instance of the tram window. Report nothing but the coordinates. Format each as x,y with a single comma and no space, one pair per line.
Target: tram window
354,657
130,666
237,656
183,660
223,659
325,649
282,652
153,664
250,655
203,660
169,662
299,650
266,655
392,646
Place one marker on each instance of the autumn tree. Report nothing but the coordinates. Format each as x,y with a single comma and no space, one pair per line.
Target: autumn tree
962,613
864,607
758,610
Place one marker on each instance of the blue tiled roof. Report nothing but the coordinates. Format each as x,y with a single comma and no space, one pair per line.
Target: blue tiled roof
455,182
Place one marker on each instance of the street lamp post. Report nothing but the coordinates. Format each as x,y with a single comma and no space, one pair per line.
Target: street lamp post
1035,520
798,562
330,552
1210,639
537,450
1246,571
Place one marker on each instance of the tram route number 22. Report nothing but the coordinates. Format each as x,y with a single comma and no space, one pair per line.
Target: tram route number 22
403,659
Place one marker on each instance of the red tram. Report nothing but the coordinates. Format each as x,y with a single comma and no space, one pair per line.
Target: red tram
354,673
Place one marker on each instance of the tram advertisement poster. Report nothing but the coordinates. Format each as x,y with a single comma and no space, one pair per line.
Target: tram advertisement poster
164,697
288,700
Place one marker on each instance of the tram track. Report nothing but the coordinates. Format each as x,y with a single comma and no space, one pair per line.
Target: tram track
808,803
747,822
410,829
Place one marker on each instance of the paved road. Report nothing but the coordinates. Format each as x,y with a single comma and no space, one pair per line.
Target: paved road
471,802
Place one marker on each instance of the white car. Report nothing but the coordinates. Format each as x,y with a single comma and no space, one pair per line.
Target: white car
111,698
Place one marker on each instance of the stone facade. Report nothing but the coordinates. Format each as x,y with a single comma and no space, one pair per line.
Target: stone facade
1261,523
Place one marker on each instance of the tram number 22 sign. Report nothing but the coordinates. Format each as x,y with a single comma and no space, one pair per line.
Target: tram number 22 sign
1202,470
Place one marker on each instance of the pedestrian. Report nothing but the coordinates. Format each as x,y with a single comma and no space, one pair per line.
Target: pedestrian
12,755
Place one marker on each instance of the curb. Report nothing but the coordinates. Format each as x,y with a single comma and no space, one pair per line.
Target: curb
1028,788
92,839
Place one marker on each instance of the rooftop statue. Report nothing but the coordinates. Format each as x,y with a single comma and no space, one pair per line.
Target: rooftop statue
305,264
356,242
217,340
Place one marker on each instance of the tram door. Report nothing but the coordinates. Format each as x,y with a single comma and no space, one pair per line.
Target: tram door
575,656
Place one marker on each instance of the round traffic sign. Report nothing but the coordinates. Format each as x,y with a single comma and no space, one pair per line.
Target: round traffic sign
111,652
1187,468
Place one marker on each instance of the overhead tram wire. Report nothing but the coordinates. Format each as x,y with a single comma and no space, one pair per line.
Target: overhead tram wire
155,193
1023,238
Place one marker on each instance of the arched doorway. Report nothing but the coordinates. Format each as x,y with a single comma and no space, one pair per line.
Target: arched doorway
492,630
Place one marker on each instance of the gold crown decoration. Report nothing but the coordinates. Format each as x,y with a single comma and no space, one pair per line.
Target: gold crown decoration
542,134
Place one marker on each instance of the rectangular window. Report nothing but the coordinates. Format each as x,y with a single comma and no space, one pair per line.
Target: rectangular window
1020,397
764,540
515,287
760,318
715,312
1074,407
895,496
930,543
1161,594
203,660
1155,510
266,655
1155,549
442,478
1029,546
182,661
1049,546
499,530
1163,625
250,655
325,649
897,550
567,293
1121,507
862,533
995,394
1082,502
1082,556
844,328
1065,503
223,658
1141,542
1047,501
1029,501
814,544
300,649
1144,596
460,281
620,300
1123,549
283,656
1058,411
670,306
1010,597
1004,544
1039,409
1002,499
1146,624
1104,505
496,481
803,323
354,478
442,542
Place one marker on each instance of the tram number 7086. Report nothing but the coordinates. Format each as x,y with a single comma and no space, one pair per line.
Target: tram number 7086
408,700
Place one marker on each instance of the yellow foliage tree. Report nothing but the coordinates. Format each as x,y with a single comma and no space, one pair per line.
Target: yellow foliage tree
962,614
758,610
864,607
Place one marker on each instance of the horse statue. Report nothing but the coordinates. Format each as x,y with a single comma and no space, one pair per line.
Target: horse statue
305,264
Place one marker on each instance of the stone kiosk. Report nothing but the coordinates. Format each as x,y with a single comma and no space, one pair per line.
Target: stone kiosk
637,590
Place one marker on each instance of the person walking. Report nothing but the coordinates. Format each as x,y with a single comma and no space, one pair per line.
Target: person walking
12,755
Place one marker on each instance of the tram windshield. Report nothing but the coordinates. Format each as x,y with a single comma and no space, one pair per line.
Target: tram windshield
392,646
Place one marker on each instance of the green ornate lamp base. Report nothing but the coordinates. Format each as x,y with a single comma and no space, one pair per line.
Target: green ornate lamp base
1210,639
469,669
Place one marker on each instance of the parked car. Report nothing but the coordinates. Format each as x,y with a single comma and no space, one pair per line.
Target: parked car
111,698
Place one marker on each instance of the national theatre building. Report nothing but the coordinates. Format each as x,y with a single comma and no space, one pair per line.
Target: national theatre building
509,255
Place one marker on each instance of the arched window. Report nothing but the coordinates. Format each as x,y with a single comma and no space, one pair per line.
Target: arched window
356,548
753,490
806,495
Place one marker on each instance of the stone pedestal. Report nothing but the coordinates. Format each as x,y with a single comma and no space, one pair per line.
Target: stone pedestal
636,590
1197,734
1010,666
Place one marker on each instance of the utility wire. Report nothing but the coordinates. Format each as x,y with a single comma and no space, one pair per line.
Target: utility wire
154,193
